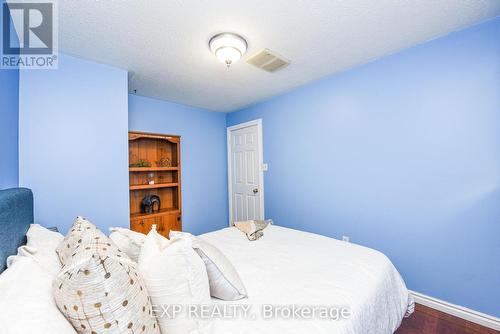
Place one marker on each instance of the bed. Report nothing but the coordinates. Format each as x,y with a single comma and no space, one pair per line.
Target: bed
289,267
285,269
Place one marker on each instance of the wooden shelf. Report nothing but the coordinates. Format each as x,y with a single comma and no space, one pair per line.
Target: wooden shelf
153,186
151,169
138,135
155,214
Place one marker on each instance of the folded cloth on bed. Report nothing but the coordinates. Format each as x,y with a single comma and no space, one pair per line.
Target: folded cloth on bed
252,228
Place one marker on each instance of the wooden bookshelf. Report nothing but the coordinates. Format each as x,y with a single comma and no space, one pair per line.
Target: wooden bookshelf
154,169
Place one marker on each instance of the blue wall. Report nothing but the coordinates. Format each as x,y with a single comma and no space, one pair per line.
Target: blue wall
74,155
73,144
9,116
9,112
402,155
203,157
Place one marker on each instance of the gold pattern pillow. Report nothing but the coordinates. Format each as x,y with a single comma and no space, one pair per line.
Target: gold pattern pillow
99,289
75,237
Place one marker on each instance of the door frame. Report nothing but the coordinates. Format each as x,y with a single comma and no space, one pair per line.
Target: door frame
258,123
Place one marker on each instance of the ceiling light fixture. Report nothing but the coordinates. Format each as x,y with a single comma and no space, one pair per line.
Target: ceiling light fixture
228,47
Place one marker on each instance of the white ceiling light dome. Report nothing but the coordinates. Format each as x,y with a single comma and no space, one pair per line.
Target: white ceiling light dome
228,47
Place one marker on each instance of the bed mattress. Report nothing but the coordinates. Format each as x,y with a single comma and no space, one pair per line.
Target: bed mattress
289,271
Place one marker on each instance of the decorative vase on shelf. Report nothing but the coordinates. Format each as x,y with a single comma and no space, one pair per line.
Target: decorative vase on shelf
151,178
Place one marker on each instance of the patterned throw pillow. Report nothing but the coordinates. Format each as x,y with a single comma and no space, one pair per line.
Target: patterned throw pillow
99,289
75,237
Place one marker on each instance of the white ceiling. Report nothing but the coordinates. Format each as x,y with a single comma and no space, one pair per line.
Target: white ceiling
163,43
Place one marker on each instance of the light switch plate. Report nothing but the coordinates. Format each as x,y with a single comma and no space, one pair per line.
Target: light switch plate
264,167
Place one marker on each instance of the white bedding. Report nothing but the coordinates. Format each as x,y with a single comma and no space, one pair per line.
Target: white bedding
290,267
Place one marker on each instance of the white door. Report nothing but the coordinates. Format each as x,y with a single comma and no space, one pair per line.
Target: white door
246,188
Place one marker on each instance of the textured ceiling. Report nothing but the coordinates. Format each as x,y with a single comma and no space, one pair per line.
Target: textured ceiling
163,44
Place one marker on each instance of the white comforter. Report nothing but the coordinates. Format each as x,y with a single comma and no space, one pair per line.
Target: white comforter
290,267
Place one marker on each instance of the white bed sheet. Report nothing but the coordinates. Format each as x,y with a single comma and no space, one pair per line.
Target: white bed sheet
290,267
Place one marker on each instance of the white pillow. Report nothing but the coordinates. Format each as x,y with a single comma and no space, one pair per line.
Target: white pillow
174,275
129,242
26,301
225,283
41,246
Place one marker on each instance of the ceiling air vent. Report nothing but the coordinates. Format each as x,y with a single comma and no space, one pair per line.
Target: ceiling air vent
268,60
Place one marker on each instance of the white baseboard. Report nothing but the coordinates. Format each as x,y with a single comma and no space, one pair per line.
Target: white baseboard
457,311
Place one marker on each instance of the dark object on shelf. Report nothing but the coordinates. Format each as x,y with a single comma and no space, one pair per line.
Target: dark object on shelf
148,202
141,163
164,162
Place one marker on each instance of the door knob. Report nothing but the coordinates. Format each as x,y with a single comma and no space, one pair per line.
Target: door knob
255,190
